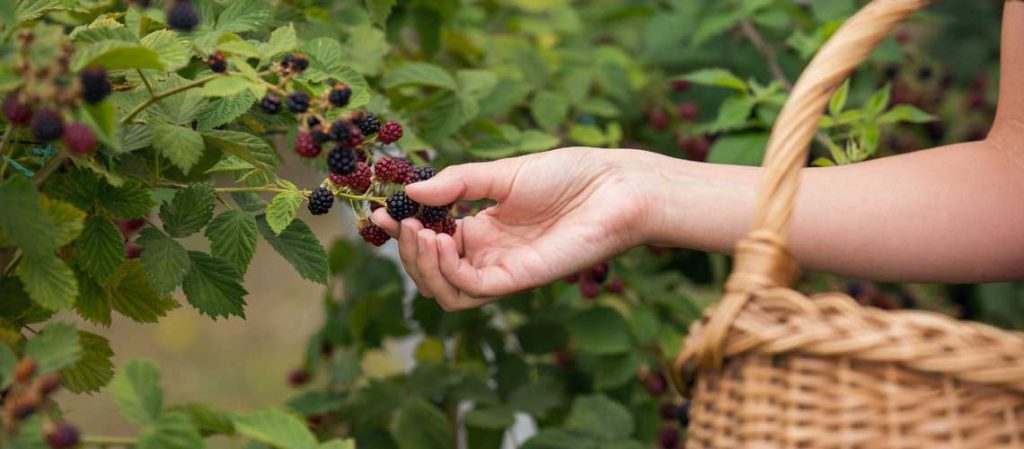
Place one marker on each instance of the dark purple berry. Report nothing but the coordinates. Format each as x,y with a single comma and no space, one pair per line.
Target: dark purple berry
400,206
16,112
47,126
182,15
96,86
63,436
341,161
297,101
271,103
339,95
217,62
320,201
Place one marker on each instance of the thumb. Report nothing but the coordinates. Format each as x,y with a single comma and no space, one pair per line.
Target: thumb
474,181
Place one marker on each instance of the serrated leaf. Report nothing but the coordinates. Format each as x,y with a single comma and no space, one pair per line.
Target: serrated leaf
172,430
420,425
380,10
100,249
30,228
299,246
615,370
190,210
245,15
102,119
214,287
600,330
178,109
366,48
94,369
114,55
245,146
601,417
282,40
67,219
208,420
181,145
276,428
165,261
233,237
137,392
225,86
536,398
55,347
78,187
48,281
129,200
92,303
282,209
172,52
220,111
132,296
418,74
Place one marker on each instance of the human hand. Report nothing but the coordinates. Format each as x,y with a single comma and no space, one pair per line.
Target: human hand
556,212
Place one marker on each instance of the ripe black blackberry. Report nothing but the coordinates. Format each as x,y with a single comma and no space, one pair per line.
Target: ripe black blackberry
297,101
339,131
320,201
368,123
434,214
16,111
95,84
217,62
319,135
341,161
295,62
312,121
400,206
422,173
63,436
47,126
271,103
182,15
340,95
668,437
373,234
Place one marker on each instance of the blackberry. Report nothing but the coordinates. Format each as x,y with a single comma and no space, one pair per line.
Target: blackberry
389,169
295,62
435,214
306,145
15,111
182,15
390,132
688,110
589,289
21,407
128,226
312,121
132,250
355,137
681,85
48,385
696,148
339,95
683,413
400,206
668,437
271,103
358,181
614,286
47,126
25,370
298,377
599,272
341,161
339,131
368,123
655,384
657,119
373,234
79,139
297,101
63,436
667,411
445,226
319,136
217,63
320,201
421,173
95,84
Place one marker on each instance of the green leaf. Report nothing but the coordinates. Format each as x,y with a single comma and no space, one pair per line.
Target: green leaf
644,323
714,26
189,211
100,249
365,49
299,246
739,149
92,303
208,420
282,40
165,261
601,417
65,217
448,114
420,425
588,135
276,428
282,209
55,347
182,145
48,281
225,86
733,114
102,119
172,52
244,146
838,100
478,84
232,237
137,392
130,200
600,330
716,77
559,438
380,10
905,113
33,9
541,336
94,369
221,111
132,296
499,418
549,109
418,74
214,287
7,362
172,430
536,398
338,444
78,187
114,55
178,109
245,15
31,229
615,370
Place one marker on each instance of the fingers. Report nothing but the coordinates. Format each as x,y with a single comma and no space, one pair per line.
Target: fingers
407,252
473,181
476,282
448,296
388,224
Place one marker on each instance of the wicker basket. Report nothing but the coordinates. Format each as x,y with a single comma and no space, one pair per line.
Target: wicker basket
776,369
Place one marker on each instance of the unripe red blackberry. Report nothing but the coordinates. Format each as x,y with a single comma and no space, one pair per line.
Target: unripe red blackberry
355,137
341,161
271,103
435,214
15,111
400,206
63,436
655,384
421,173
306,145
572,278
681,85
688,110
80,139
368,123
446,225
297,101
615,286
373,234
95,84
339,95
298,377
358,181
182,15
132,250
47,126
657,119
390,132
128,226
668,437
21,407
217,62
25,370
47,385
393,170
599,272
589,289
696,148
320,201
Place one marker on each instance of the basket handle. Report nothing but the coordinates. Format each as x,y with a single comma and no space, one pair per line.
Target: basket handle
761,258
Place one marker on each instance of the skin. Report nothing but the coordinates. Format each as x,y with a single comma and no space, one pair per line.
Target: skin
949,214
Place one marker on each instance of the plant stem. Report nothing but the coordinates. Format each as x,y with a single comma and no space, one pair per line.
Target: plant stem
4,143
349,196
161,95
100,440
49,168
146,82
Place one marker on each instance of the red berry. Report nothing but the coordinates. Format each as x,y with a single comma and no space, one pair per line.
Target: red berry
668,437
16,112
62,436
131,250
446,226
374,234
375,205
681,85
128,226
599,272
572,278
298,377
589,289
655,384
355,137
21,407
25,370
306,145
615,286
688,111
657,119
48,385
393,170
359,180
80,139
696,148
667,411
390,132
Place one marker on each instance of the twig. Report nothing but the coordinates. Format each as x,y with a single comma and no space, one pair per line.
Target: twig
146,82
4,143
376,199
161,95
48,169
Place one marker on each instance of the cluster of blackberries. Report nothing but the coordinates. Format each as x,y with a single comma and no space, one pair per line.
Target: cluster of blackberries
590,280
181,15
28,395
674,413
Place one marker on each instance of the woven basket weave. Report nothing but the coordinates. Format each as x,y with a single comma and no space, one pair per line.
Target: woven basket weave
777,369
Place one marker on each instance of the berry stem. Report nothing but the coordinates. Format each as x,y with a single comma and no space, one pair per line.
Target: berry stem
146,82
102,440
51,166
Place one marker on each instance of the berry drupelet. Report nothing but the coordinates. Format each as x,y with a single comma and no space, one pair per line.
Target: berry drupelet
390,132
297,102
339,95
182,15
445,226
400,206
271,103
339,131
47,126
435,214
320,201
306,145
422,173
341,161
80,139
358,181
368,123
95,84
17,112
355,137
393,170
373,234
217,62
